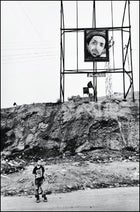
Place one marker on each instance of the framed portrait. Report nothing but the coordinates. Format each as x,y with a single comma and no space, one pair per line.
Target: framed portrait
96,45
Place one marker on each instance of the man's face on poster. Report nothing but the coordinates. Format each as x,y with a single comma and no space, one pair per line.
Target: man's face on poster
96,45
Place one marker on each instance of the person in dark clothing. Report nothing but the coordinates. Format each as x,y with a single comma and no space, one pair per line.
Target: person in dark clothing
38,171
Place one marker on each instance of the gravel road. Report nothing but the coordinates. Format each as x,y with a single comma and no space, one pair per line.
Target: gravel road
107,199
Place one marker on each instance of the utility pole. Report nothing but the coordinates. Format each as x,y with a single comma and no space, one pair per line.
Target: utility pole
94,63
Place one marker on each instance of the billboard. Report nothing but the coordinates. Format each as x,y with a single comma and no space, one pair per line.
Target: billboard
96,45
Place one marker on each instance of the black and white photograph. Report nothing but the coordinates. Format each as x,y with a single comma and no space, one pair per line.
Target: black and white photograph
96,45
69,105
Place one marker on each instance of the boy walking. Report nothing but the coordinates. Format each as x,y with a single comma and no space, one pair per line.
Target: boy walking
38,171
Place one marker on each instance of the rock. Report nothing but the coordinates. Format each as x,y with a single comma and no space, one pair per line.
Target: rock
20,146
43,126
10,193
116,184
21,190
22,180
29,139
11,166
85,146
33,130
69,186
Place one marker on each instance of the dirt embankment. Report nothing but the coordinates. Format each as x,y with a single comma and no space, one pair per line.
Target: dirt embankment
74,174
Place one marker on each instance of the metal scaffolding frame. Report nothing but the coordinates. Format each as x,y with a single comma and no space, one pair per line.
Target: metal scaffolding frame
121,70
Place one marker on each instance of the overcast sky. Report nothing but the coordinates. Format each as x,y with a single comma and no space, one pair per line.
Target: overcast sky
30,49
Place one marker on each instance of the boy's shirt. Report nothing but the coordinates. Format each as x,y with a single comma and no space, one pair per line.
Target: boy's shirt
38,171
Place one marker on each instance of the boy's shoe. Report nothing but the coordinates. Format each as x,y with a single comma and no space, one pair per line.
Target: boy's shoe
38,200
45,199
40,191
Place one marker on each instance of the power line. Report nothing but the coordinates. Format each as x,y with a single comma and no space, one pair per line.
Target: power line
28,54
25,48
27,58
30,42
22,60
29,19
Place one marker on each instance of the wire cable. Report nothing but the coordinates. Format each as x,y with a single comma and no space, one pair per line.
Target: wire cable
29,19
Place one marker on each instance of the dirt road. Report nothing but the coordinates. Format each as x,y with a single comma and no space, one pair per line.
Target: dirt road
111,199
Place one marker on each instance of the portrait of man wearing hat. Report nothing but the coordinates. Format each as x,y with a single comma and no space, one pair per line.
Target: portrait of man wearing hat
96,45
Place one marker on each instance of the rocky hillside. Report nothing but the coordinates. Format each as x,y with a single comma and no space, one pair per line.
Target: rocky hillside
74,127
83,145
